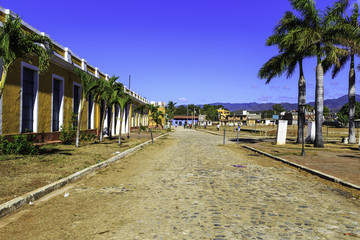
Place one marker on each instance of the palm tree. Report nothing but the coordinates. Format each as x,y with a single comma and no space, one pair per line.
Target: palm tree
170,109
15,44
88,85
123,100
157,118
153,109
313,36
119,89
103,94
289,56
345,34
141,110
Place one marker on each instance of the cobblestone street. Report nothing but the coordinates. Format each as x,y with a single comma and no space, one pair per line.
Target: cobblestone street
187,187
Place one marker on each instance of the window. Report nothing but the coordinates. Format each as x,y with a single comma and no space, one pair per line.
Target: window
29,98
57,103
76,99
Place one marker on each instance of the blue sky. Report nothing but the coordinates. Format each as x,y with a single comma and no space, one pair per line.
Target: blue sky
186,51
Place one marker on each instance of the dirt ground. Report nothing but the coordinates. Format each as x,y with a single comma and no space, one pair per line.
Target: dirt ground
20,174
189,186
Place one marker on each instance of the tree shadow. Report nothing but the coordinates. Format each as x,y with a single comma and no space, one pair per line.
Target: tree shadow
250,140
349,156
49,151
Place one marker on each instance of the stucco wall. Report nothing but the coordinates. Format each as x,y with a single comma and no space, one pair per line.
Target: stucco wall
11,98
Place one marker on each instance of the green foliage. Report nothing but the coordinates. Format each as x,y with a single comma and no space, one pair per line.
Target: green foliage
89,137
343,114
278,108
16,43
142,128
181,110
20,145
326,111
170,109
68,133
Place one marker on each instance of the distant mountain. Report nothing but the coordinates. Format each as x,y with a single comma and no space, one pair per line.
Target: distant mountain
332,104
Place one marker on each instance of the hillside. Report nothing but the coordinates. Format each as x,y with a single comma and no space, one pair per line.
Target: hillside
332,104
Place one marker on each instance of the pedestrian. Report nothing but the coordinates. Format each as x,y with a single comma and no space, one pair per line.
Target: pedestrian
218,127
239,128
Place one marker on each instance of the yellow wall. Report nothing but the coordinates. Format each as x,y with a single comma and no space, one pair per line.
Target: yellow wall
11,98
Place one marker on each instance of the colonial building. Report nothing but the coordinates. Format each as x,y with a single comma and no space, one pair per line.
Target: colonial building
41,104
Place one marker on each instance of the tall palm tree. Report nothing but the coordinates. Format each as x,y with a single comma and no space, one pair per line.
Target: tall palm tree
119,89
15,43
345,33
88,85
313,36
123,100
153,109
285,62
141,110
103,94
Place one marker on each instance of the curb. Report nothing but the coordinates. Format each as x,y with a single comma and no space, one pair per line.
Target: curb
211,132
12,205
309,170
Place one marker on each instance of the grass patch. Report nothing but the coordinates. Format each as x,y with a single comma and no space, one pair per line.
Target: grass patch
20,174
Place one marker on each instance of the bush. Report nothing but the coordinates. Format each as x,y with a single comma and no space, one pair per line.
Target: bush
90,137
68,134
142,128
20,145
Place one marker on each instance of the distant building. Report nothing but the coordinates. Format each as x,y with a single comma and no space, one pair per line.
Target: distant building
222,113
291,117
184,120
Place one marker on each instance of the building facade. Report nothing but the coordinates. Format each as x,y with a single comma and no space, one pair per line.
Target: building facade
43,103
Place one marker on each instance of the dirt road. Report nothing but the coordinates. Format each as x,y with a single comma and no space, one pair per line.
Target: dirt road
186,187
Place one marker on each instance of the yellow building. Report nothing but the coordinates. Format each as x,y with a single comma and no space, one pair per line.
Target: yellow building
41,104
222,113
161,108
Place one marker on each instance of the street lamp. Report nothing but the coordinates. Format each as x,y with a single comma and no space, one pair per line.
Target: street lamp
302,107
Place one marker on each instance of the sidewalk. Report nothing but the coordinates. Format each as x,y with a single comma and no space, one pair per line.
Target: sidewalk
336,159
344,163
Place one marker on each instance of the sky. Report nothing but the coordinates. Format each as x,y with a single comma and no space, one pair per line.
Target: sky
185,51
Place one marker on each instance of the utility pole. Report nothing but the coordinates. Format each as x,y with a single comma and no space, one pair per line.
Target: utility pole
187,114
129,80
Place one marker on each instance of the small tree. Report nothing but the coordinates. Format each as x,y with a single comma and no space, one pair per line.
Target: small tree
122,100
88,85
278,108
113,101
157,118
15,44
103,94
141,110
343,114
153,109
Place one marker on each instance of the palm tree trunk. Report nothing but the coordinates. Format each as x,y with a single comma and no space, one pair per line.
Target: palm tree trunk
351,96
121,117
77,142
102,124
111,122
3,79
319,105
301,102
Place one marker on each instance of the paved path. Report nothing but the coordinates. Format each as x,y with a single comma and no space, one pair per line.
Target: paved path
185,187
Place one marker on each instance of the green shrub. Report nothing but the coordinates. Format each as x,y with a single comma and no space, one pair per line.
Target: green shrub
20,145
68,134
142,128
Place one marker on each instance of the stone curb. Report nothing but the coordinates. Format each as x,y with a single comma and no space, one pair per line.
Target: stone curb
211,132
12,205
312,171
